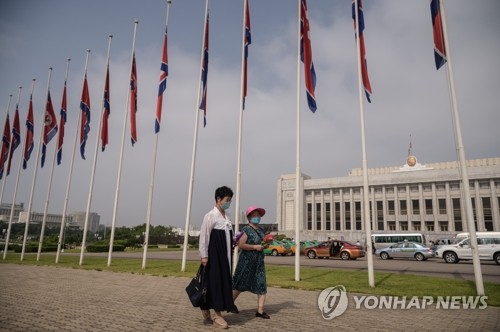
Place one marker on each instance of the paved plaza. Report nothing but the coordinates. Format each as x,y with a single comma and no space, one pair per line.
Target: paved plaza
44,298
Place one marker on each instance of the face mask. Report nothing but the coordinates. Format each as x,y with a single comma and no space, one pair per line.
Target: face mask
226,205
255,220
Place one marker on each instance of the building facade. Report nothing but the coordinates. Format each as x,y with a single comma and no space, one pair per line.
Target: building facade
419,198
74,219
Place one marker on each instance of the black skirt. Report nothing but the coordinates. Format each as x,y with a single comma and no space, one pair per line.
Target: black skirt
218,274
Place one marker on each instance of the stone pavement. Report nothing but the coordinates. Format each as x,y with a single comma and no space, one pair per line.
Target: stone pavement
44,298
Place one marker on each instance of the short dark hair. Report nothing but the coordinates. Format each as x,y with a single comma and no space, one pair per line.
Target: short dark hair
222,192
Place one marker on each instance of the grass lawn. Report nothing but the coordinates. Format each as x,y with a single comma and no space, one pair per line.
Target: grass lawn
394,284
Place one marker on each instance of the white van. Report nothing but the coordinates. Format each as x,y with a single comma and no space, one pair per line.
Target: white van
488,248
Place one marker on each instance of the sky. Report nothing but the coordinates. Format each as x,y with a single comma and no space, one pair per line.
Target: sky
410,101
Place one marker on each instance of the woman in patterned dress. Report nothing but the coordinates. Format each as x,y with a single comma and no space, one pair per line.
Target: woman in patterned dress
250,274
216,240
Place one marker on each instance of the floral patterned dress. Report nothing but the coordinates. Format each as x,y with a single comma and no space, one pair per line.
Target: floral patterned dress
250,274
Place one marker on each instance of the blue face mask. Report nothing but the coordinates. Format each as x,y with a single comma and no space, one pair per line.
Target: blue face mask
255,220
226,205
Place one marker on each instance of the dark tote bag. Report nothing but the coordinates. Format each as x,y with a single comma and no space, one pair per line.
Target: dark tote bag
196,290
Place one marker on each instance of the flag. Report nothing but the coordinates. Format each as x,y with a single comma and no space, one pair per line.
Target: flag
49,127
364,66
28,143
16,138
105,114
163,82
204,74
306,57
437,29
133,101
4,154
247,41
62,122
85,119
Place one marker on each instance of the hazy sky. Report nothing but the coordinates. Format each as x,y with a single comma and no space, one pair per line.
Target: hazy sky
409,96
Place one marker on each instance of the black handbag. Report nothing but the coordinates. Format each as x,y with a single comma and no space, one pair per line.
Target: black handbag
196,290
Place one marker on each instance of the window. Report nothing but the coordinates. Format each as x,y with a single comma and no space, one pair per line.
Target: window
442,206
328,217
430,226
428,206
488,218
402,207
415,206
457,214
309,216
404,226
318,216
390,208
357,211
443,226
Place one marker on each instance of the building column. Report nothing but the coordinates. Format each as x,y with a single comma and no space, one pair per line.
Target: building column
494,206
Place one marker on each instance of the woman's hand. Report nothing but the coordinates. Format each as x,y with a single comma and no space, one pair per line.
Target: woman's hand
204,261
258,247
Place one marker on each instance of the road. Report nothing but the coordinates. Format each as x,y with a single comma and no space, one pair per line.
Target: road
434,267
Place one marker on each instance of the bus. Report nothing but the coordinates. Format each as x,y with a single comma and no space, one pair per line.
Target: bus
461,236
386,240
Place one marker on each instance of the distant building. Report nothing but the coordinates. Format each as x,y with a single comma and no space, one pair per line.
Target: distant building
5,209
414,198
74,219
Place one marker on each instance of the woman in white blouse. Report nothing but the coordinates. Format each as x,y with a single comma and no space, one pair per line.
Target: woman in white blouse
216,240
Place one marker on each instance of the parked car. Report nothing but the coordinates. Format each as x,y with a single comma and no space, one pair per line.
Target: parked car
488,249
276,248
406,249
335,249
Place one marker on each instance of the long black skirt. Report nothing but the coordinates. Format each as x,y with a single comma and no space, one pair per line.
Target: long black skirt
218,274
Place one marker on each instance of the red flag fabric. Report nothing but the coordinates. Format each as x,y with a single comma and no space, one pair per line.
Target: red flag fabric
4,154
28,143
163,82
105,114
437,30
306,57
247,41
62,122
364,66
50,126
85,118
133,101
16,138
204,74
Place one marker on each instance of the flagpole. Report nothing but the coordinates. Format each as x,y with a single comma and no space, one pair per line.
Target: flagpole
366,205
4,175
9,227
193,158
36,167
118,178
33,183
240,130
298,194
94,166
463,164
153,171
65,207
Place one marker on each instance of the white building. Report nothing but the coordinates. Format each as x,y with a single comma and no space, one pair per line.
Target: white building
74,219
417,198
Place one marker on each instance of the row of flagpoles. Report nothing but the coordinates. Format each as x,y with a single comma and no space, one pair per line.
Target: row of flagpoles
304,56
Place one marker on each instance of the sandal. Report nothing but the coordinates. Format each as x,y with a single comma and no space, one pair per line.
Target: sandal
220,322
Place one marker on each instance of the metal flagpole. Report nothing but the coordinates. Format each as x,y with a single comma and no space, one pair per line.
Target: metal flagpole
5,173
153,171
9,227
118,177
36,165
98,132
119,173
240,130
62,232
28,215
463,166
193,158
366,204
298,193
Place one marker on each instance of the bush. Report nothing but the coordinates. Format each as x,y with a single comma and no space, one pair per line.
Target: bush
34,248
104,248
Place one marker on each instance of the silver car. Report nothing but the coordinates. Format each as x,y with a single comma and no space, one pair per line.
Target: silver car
407,250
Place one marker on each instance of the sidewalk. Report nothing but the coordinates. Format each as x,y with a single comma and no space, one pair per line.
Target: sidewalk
39,298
